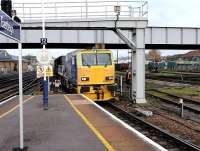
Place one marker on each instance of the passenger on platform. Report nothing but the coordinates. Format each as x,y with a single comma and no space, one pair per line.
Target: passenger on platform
57,84
128,78
14,16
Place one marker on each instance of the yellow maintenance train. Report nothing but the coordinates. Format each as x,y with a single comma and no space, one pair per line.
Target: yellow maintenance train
90,72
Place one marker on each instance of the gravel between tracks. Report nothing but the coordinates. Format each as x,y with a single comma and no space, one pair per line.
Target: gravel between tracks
171,122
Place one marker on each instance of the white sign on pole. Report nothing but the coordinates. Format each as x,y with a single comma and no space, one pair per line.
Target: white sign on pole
44,57
40,71
11,29
21,98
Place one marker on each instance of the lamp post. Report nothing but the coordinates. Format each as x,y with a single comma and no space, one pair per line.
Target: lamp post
117,10
45,81
86,9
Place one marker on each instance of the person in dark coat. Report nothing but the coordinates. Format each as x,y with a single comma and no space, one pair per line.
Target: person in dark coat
14,17
128,77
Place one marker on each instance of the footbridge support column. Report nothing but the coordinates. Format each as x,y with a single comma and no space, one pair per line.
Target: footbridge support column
133,69
140,65
138,54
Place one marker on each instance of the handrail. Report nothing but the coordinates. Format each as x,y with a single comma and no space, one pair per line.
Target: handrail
81,9
100,1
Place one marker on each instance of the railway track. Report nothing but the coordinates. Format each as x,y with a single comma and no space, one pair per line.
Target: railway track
192,79
12,79
189,104
162,137
10,88
185,78
27,89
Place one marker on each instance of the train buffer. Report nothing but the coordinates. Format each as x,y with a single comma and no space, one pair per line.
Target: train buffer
73,122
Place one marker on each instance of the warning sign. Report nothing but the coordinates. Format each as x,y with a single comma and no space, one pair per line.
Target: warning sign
49,71
40,71
44,71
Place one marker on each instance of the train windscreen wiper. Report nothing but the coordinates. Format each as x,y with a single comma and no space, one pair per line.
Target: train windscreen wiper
88,65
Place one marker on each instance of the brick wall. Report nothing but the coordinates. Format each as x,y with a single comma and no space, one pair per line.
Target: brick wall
10,66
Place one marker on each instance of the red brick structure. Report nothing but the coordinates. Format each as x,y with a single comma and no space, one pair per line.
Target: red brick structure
192,56
9,63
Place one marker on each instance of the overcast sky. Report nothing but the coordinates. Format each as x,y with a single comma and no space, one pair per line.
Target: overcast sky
174,13
184,13
162,12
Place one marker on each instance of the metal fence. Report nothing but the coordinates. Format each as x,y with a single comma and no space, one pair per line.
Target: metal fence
87,9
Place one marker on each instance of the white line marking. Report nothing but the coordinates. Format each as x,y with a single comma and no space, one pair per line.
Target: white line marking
127,126
7,100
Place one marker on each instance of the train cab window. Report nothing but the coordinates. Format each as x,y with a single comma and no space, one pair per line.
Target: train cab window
88,59
104,59
96,59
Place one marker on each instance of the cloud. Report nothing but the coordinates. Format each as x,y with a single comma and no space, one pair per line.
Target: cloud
174,13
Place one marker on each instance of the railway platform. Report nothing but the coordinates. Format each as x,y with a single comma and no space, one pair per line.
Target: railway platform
72,122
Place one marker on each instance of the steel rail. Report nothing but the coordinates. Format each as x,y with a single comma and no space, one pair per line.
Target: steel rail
14,80
11,87
179,143
170,101
28,79
178,96
193,79
27,87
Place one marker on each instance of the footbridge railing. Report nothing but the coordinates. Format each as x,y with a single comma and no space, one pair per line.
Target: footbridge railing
82,10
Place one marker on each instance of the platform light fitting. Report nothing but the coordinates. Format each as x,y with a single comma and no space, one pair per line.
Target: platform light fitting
117,9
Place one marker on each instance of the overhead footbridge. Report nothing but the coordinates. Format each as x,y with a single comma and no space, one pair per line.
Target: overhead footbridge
172,38
83,24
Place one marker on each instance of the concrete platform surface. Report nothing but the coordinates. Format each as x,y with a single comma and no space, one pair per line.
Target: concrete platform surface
56,129
119,137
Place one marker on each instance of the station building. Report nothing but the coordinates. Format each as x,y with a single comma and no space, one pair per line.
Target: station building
9,63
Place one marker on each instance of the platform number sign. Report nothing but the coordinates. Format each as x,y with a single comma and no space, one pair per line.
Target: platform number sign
43,41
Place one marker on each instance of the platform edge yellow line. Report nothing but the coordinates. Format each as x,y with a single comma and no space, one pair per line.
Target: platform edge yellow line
14,108
87,122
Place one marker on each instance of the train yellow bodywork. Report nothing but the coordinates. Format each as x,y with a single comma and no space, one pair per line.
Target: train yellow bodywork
90,72
97,76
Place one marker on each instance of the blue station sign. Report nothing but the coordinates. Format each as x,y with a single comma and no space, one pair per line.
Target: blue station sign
9,27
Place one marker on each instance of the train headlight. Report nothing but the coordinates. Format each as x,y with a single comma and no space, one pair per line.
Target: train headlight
109,78
84,78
